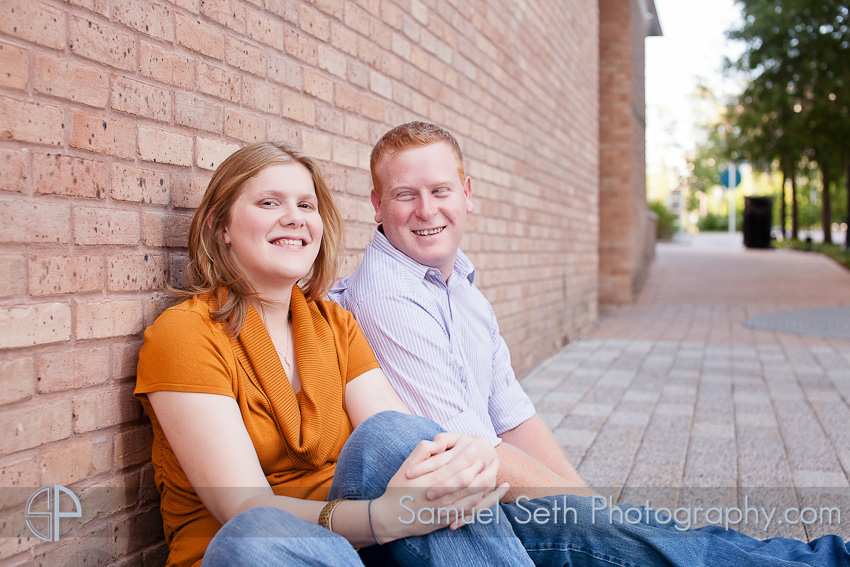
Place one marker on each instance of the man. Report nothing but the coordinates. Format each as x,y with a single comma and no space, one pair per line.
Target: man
434,332
437,340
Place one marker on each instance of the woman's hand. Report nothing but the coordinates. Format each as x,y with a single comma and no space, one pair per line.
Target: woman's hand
444,482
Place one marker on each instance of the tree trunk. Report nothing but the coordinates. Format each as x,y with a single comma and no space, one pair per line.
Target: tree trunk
795,225
826,205
847,213
782,203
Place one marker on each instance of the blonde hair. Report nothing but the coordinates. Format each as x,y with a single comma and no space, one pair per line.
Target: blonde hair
212,266
406,136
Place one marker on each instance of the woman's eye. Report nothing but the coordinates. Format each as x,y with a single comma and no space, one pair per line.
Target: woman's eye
268,203
309,206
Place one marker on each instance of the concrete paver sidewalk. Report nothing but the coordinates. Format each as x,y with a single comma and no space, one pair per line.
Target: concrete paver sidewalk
674,401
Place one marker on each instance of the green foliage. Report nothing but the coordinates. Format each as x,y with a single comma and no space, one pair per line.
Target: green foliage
712,222
666,220
834,251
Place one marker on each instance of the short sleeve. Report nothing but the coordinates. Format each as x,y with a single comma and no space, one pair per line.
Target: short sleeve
185,351
361,358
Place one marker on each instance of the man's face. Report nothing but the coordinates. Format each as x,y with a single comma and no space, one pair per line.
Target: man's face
423,204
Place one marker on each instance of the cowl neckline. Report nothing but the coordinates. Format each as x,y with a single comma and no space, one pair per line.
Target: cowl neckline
310,431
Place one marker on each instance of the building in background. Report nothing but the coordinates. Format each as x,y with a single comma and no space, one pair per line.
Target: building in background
113,114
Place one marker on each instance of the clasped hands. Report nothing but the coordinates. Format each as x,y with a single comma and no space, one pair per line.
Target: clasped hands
454,474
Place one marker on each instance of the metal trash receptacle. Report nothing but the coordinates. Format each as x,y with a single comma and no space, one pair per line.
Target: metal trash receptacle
758,219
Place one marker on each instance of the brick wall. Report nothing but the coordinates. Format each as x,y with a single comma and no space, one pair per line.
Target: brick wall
113,113
626,246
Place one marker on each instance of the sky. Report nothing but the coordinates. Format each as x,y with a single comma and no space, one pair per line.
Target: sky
690,52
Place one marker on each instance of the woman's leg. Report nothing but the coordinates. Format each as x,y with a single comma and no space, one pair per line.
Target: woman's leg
370,458
275,538
578,531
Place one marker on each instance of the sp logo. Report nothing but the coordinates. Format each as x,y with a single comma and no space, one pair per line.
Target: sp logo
43,509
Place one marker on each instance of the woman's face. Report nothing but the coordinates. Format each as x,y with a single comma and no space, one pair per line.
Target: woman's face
275,229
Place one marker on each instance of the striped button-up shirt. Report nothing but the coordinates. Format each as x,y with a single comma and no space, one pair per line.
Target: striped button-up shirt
437,342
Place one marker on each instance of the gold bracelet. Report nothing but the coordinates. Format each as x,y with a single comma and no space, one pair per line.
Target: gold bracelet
327,513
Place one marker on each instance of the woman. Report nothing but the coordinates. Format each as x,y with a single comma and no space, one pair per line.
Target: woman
255,384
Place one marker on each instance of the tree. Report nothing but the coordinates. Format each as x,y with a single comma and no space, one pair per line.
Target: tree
797,58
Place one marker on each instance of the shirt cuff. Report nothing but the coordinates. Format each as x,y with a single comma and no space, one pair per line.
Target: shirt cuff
470,424
509,408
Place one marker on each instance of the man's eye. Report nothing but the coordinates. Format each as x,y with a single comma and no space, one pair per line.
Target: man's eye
441,191
404,196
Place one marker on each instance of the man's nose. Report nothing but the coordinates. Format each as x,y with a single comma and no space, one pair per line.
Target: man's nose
426,208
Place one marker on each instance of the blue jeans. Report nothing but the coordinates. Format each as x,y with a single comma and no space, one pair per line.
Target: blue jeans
270,537
568,531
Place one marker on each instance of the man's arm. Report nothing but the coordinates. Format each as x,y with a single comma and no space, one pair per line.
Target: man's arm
534,463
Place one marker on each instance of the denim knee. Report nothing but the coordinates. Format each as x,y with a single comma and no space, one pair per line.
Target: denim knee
376,450
273,537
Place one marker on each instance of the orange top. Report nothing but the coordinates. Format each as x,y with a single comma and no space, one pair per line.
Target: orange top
298,437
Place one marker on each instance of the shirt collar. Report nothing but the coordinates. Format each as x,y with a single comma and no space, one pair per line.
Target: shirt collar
463,267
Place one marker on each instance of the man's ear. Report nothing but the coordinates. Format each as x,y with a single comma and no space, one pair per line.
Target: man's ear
467,192
376,203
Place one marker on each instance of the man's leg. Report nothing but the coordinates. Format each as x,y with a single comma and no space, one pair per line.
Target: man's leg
581,531
370,458
275,538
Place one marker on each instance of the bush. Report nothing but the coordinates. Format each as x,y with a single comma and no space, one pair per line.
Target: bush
666,220
713,222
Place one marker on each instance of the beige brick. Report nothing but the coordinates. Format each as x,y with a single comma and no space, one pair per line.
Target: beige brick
332,8
284,71
136,272
18,479
13,275
151,19
17,380
140,185
102,43
284,131
165,230
266,30
179,265
125,355
193,6
317,145
245,56
372,108
314,23
357,128
103,500
61,273
14,62
108,318
212,152
345,152
198,113
187,192
356,19
139,530
31,122
343,38
300,108
261,95
243,126
70,80
142,99
302,47
162,146
219,82
14,170
76,461
99,6
94,226
33,21
72,369
28,325
286,9
381,84
66,175
34,425
97,410
34,222
133,447
391,15
332,61
102,135
330,120
226,12
198,36
166,66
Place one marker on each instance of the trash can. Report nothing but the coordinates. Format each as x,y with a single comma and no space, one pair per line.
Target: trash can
758,219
